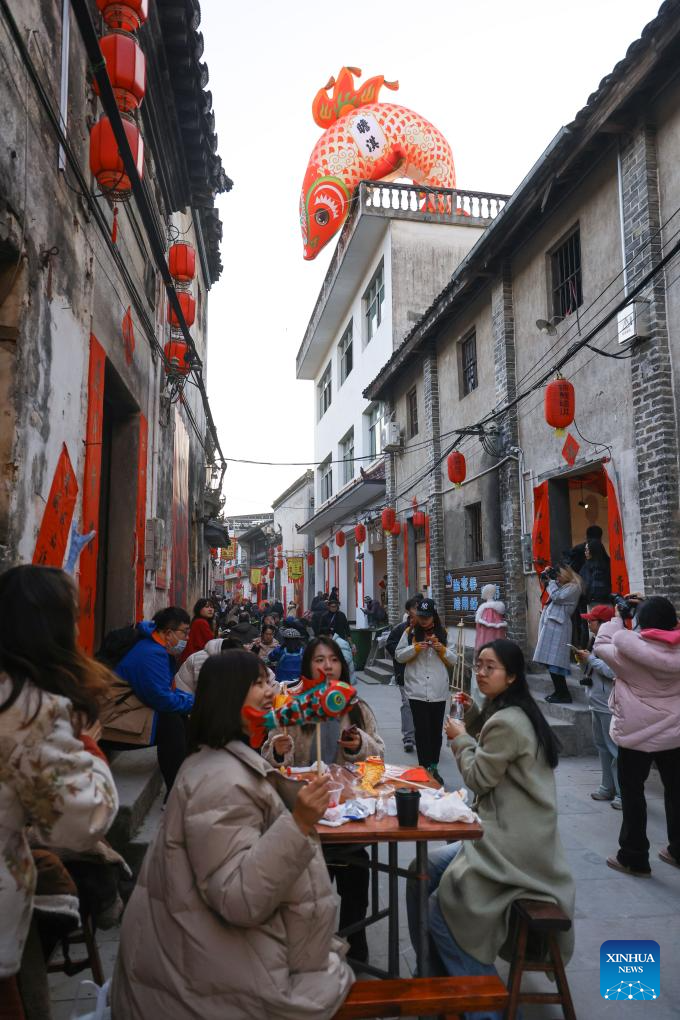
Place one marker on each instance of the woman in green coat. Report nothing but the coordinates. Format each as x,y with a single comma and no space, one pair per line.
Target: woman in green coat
510,770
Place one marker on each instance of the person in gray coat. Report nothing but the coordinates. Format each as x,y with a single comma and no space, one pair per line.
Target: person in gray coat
554,630
598,679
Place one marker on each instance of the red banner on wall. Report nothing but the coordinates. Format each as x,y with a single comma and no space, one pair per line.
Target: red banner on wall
540,536
50,547
617,555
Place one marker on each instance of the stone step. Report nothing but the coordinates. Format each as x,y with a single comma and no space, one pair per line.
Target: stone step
139,844
138,781
381,671
570,723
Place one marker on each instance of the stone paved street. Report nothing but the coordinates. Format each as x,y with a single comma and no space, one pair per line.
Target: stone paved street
608,905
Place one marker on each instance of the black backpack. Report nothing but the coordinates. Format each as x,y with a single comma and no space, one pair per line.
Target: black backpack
116,644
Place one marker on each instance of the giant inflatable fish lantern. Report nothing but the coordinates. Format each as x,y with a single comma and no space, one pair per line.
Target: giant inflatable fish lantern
309,701
363,140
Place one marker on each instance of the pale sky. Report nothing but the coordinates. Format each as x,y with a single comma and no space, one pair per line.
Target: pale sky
497,79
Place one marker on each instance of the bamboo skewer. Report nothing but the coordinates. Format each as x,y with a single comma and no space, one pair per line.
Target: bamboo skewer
318,749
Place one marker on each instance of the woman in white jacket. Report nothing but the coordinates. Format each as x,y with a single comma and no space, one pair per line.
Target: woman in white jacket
52,774
426,654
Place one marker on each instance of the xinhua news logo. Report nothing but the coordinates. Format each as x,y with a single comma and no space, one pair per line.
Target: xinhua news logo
630,970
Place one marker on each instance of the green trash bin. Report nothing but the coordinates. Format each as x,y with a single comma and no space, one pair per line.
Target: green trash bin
362,638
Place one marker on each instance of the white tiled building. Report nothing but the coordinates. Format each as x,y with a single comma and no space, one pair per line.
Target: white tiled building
391,259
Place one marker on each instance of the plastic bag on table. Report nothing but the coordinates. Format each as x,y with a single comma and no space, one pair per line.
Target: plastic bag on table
446,807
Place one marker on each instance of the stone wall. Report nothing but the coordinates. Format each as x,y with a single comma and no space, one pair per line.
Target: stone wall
654,410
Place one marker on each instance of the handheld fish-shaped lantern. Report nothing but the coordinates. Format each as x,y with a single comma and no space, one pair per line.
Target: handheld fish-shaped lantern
318,703
364,139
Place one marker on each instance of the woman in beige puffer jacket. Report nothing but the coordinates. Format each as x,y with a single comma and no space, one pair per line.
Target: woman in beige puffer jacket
233,915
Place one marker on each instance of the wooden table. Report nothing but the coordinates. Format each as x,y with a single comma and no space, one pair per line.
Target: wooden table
373,831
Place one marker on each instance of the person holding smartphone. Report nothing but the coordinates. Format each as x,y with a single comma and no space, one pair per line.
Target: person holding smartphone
598,680
424,650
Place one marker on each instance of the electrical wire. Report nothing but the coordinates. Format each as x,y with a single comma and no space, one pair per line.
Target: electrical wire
573,350
84,192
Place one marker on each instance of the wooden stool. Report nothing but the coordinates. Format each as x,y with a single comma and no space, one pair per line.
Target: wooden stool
83,935
449,997
545,920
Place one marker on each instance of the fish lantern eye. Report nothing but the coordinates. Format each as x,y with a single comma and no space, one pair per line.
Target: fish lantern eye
322,217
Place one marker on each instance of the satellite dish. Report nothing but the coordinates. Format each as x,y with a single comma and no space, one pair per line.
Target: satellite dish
546,326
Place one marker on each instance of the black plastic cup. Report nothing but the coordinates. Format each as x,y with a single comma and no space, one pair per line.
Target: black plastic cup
408,802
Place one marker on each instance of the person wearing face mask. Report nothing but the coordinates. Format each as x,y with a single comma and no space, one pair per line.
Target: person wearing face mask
149,670
423,649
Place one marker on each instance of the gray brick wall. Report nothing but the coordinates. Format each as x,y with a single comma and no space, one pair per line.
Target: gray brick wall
433,452
503,332
654,412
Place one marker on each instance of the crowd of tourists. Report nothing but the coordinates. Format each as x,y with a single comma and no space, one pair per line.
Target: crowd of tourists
234,912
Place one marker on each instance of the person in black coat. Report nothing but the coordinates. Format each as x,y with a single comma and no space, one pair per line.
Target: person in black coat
596,574
408,734
335,620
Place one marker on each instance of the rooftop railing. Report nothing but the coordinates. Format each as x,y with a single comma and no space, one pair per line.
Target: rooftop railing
445,205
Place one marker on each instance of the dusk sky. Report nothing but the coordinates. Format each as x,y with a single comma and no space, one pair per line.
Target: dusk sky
498,79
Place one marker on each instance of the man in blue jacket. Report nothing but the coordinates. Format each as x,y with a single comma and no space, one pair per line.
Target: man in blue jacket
148,668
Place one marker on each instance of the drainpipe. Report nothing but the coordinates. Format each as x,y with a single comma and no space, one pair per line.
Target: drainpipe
619,171
522,495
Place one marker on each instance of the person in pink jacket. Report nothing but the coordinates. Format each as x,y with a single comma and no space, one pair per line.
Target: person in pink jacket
645,705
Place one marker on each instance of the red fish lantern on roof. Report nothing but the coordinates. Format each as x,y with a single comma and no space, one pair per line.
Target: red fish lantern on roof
363,140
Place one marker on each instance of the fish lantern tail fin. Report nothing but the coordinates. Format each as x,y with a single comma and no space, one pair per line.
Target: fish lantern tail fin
327,109
254,720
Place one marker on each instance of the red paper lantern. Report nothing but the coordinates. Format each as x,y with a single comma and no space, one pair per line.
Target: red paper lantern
188,305
396,529
340,539
105,160
126,66
271,573
419,519
560,404
239,573
360,533
388,518
182,262
310,559
457,468
325,552
176,358
128,15
279,548
279,564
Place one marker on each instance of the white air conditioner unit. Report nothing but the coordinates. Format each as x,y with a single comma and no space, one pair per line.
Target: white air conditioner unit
390,436
633,322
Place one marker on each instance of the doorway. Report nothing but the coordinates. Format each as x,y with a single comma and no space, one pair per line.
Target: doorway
117,531
577,501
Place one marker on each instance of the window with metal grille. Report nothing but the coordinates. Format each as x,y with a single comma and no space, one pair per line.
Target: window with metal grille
567,293
473,533
468,356
324,391
345,357
373,302
325,480
347,457
412,412
375,423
